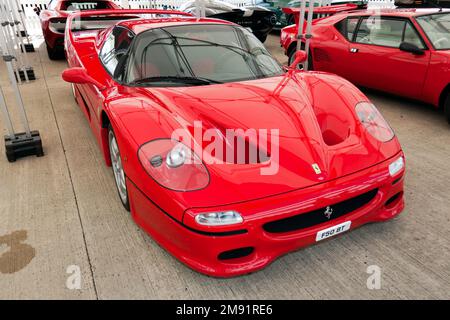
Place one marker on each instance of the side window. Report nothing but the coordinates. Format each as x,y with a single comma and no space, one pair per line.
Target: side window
412,36
115,47
347,27
352,23
381,31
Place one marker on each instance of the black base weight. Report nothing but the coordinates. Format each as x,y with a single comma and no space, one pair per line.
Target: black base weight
30,74
23,34
29,47
22,146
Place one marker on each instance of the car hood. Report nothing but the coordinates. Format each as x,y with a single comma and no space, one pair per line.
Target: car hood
320,138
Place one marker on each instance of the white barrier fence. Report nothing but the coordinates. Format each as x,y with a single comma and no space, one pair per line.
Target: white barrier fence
29,5
381,4
32,20
33,24
170,4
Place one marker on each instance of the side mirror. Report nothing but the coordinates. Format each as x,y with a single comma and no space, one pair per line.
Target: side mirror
300,57
37,10
411,48
80,75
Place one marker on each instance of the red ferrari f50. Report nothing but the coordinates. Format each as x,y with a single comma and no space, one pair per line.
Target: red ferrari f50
160,88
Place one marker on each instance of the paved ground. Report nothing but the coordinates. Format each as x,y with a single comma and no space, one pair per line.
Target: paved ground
62,210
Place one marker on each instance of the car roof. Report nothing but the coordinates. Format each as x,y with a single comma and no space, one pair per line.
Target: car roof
407,12
143,24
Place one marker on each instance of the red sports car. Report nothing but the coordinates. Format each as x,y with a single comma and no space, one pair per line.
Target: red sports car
178,106
53,20
403,51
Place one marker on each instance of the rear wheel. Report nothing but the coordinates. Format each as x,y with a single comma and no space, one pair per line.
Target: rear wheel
119,173
447,107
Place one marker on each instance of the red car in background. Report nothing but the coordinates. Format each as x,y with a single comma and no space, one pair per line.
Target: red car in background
53,20
405,52
331,163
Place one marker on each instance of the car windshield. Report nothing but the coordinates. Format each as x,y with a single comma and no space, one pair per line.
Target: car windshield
437,29
198,55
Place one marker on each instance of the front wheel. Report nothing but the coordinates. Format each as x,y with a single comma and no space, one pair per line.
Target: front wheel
447,107
119,173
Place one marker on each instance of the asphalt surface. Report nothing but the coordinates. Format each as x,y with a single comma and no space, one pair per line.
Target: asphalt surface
60,214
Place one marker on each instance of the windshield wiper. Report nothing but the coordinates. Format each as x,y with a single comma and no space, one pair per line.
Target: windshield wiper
176,79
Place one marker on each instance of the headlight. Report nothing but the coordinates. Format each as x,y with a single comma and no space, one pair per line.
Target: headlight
373,122
176,157
173,165
218,218
396,166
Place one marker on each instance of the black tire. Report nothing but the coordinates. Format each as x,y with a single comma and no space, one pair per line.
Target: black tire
447,107
54,53
291,57
123,195
291,54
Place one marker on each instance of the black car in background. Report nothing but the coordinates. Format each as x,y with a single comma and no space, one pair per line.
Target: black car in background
260,20
422,3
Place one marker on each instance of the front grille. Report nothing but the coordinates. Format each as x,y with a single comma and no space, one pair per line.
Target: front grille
316,217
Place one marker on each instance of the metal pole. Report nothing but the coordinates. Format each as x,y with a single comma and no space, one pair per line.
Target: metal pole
15,27
203,9
308,32
301,22
22,19
23,114
197,9
8,58
5,34
6,117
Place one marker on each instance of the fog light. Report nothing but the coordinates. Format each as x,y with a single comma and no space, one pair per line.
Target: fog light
219,218
396,166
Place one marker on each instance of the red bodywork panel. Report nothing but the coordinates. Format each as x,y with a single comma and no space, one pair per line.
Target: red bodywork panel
311,109
53,38
421,77
325,10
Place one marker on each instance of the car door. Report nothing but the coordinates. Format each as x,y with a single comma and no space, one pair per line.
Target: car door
376,61
331,46
115,46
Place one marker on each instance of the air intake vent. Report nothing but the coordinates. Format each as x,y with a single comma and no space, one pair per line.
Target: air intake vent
316,217
236,253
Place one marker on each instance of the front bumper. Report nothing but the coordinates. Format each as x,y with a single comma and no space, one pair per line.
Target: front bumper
201,249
